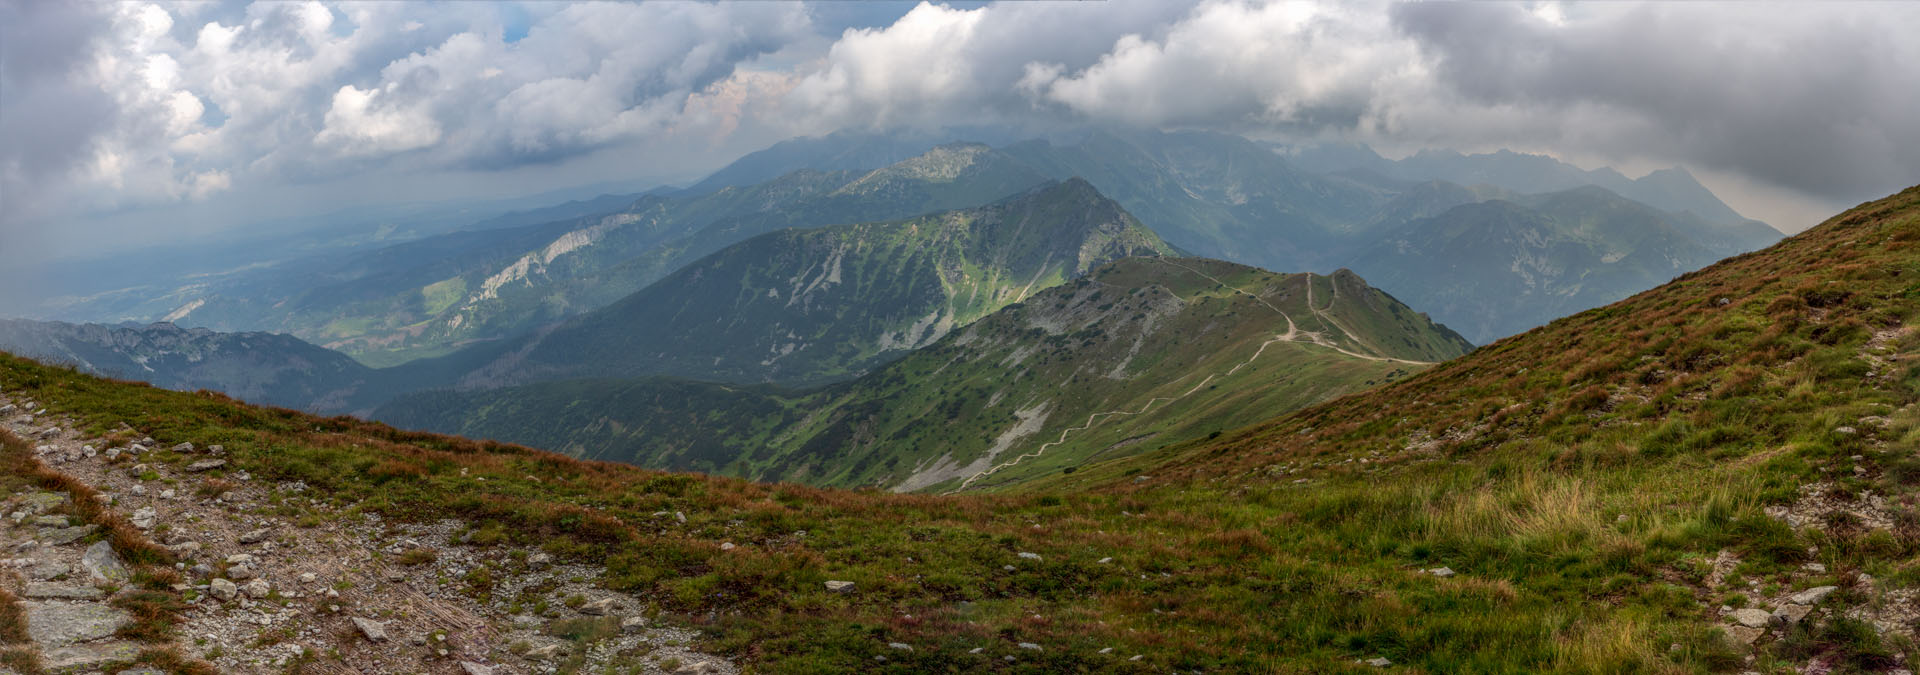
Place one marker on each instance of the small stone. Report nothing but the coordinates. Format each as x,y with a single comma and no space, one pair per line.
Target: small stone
1442,572
206,465
1789,615
1812,596
633,624
216,449
547,653
1029,556
103,565
222,589
1845,431
680,517
1815,568
374,630
86,657
601,607
902,646
58,624
539,559
183,447
50,521
41,590
727,546
1104,561
1029,646
257,589
59,536
1379,662
43,570
1750,617
144,516
840,587
704,668
308,577
1741,637
471,668
240,572
256,536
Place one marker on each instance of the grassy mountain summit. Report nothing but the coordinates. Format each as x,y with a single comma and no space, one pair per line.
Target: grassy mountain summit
1137,354
1578,498
812,305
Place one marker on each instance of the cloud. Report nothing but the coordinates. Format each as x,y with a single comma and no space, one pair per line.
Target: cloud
1815,97
111,107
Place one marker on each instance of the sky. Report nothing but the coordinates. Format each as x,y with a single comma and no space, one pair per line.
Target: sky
137,123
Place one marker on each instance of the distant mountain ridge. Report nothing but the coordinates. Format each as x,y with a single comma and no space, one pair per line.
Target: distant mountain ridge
264,368
813,305
1140,353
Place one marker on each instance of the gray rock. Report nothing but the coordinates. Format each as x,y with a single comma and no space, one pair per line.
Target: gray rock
43,570
1741,637
840,586
633,624
58,624
1789,615
546,653
374,630
698,668
1442,572
1379,662
1812,596
183,447
902,646
79,658
36,503
1029,645
50,521
471,668
41,590
601,607
222,589
206,465
539,559
1750,617
144,517
1815,568
59,536
257,589
256,536
240,572
1029,555
103,565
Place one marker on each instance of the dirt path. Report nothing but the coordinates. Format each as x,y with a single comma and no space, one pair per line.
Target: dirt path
278,576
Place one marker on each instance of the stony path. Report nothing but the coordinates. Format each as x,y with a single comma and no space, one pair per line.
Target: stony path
280,578
63,586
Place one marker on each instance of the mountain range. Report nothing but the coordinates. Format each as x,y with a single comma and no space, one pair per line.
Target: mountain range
1711,474
1140,353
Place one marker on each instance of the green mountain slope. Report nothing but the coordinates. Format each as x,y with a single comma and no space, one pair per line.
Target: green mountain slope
1496,268
432,296
1141,353
1614,482
1216,195
1597,490
801,306
260,367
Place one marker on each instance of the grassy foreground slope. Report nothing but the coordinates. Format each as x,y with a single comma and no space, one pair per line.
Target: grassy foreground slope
1688,416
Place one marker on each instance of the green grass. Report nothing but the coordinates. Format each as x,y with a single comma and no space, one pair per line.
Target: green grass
1503,465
